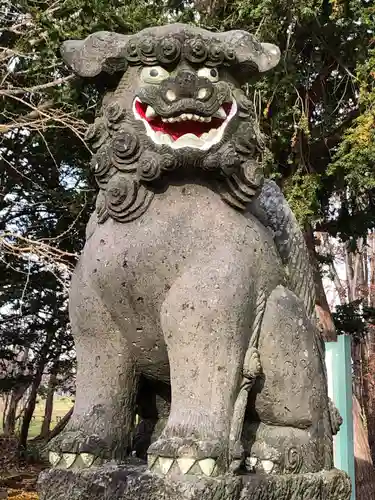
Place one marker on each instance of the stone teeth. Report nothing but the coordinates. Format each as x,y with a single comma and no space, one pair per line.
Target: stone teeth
211,134
267,466
220,113
69,459
165,464
207,466
163,138
201,118
150,112
189,140
207,119
189,116
205,142
54,458
184,117
87,459
185,464
166,139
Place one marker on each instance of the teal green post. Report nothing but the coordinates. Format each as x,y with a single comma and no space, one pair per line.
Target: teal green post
339,367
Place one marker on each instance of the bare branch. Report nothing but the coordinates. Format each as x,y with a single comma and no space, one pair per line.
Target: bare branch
26,246
66,120
19,91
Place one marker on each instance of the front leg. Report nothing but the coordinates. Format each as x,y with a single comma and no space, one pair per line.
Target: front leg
206,320
106,385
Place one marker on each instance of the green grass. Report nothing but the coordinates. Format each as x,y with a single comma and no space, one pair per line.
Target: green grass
61,405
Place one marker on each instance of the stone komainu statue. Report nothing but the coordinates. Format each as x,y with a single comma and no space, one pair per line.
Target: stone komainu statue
194,289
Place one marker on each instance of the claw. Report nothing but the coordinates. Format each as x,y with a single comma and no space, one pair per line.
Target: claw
267,466
151,459
207,466
185,464
54,458
87,459
69,459
165,464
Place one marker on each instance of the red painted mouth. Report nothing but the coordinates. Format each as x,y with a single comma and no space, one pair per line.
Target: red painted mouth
185,123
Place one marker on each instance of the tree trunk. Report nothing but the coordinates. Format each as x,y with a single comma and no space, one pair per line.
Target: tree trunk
60,425
9,424
13,400
5,408
364,470
30,407
323,312
349,273
31,402
49,406
371,254
369,389
370,379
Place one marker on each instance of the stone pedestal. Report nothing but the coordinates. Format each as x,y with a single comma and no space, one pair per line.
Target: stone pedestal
131,481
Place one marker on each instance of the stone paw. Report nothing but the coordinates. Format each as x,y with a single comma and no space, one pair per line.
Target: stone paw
252,367
74,449
177,456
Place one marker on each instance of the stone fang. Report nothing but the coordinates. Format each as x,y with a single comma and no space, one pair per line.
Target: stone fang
220,113
150,112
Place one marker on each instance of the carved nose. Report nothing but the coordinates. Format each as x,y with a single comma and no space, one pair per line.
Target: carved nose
186,84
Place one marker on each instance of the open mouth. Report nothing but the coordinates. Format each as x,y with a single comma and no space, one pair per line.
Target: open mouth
186,130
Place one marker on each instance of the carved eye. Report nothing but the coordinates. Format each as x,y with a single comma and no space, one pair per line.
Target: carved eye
211,74
154,74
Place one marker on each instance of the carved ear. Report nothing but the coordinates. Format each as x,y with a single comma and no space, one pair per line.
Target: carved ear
270,57
102,51
250,53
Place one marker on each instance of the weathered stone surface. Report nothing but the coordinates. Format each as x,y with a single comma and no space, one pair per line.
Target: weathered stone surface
193,301
133,482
